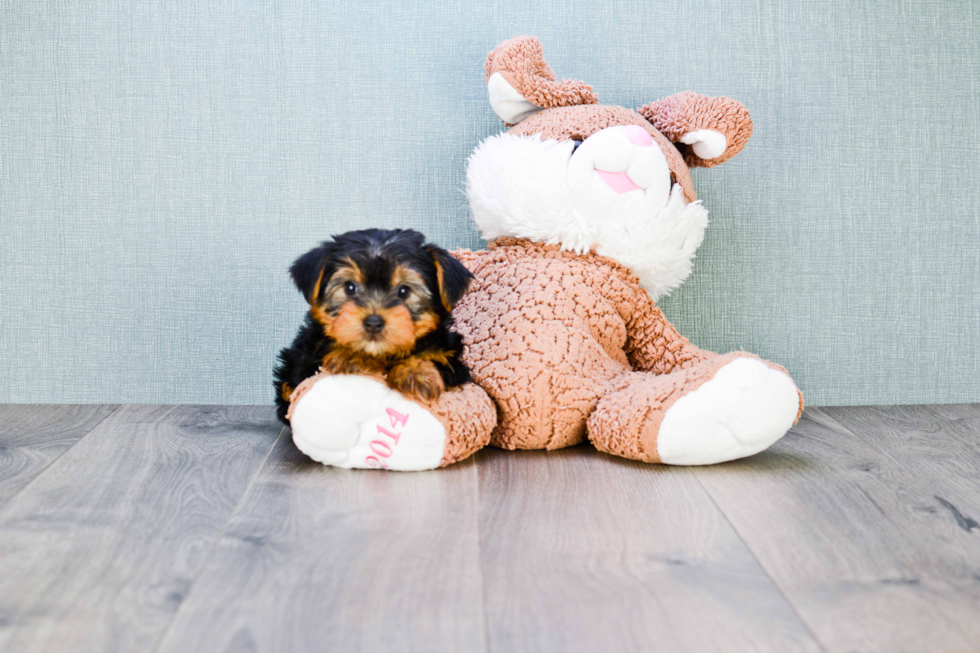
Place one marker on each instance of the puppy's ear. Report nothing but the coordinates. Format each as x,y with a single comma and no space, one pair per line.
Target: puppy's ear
309,270
451,275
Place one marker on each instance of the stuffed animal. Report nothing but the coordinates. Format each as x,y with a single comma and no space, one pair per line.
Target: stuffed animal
591,216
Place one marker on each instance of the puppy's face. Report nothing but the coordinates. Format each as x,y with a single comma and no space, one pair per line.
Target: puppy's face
379,306
377,292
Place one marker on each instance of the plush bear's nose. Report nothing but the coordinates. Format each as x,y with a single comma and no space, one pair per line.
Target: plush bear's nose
374,323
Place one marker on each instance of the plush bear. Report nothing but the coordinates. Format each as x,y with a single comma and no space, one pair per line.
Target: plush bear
591,216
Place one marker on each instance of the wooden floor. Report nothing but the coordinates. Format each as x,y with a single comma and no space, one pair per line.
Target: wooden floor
184,529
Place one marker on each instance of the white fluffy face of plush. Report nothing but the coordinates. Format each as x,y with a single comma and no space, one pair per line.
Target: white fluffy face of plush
612,195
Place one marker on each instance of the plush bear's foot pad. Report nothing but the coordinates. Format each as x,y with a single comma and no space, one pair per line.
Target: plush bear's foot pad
357,422
744,408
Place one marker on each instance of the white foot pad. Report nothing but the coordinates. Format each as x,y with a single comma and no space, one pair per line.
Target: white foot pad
355,422
742,410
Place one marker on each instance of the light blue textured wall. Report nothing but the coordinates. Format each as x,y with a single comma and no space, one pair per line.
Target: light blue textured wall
161,163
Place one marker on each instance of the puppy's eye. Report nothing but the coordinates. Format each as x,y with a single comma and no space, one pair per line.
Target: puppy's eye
350,288
404,292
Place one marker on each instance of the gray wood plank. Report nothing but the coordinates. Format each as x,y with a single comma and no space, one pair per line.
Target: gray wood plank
848,514
941,442
97,553
586,552
33,436
323,559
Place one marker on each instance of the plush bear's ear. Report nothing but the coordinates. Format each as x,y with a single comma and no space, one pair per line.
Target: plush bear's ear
707,130
520,82
452,276
308,271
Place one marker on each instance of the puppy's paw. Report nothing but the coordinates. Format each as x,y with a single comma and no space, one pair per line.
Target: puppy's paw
356,422
416,378
344,361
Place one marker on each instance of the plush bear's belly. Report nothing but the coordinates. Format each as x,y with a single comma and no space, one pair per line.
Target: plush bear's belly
543,341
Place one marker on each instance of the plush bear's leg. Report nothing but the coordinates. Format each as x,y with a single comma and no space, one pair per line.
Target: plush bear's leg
720,409
359,422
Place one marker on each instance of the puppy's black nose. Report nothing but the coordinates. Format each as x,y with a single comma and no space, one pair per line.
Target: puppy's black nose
374,323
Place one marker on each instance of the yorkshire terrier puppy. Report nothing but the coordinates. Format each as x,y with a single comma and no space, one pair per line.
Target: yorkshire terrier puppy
380,303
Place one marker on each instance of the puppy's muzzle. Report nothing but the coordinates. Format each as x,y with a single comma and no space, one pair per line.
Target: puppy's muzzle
374,323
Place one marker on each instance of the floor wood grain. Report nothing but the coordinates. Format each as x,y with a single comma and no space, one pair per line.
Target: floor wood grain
98,552
863,518
586,552
32,437
186,529
324,559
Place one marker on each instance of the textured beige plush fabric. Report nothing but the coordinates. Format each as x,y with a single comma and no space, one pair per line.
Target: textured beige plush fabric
551,335
570,346
468,416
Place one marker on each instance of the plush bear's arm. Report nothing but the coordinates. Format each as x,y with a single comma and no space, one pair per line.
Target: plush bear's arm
681,116
652,342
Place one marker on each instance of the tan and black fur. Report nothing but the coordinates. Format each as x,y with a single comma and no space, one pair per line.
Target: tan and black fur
380,303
